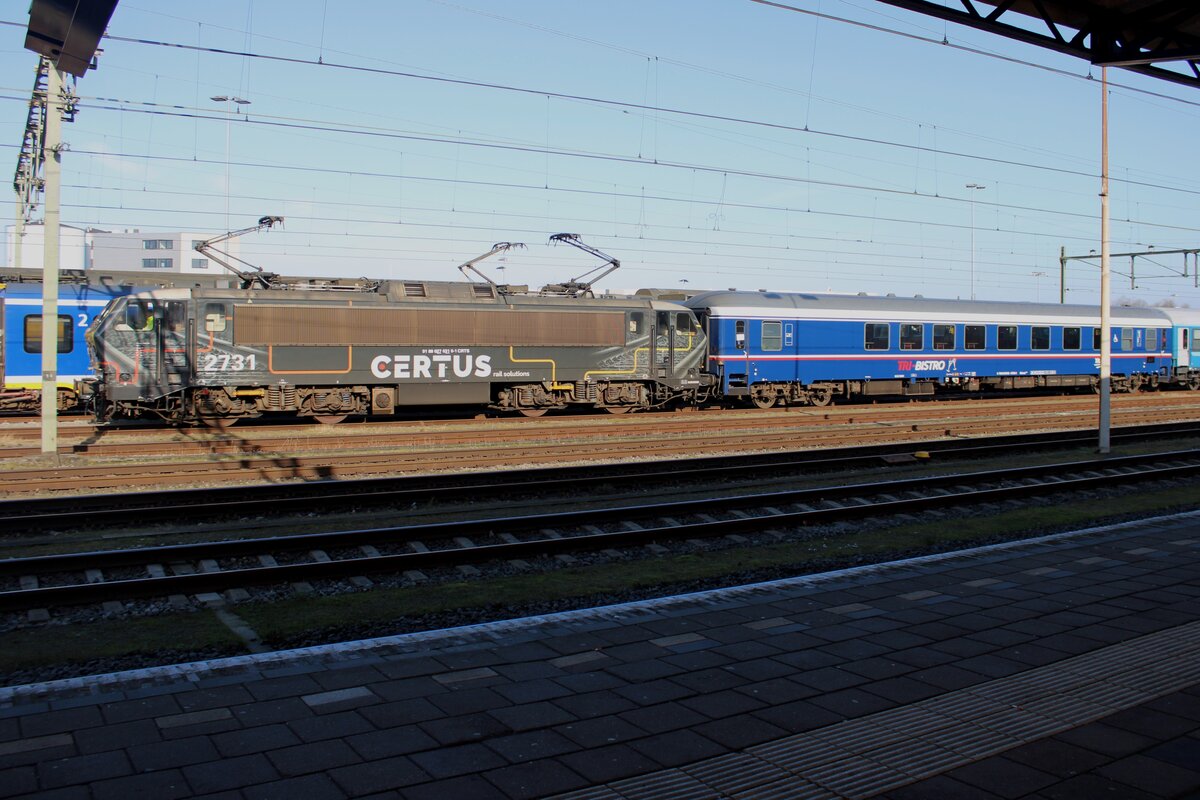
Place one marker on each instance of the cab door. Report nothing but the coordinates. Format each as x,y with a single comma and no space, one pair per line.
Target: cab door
173,340
664,345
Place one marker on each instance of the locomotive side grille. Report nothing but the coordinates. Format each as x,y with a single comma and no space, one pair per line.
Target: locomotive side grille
347,325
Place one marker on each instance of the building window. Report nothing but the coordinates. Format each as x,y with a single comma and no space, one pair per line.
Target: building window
1039,337
912,337
943,337
976,337
33,333
197,242
1072,337
158,263
875,336
199,263
157,244
772,336
1006,337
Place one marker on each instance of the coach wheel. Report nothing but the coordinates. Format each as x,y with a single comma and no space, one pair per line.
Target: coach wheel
329,419
820,397
1193,383
532,412
764,399
617,409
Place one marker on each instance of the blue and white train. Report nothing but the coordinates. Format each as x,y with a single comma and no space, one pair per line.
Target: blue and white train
772,348
21,341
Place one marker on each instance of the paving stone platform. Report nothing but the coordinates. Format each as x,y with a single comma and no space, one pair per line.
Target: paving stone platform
1062,667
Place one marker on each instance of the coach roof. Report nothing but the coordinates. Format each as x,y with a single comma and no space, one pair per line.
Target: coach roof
874,307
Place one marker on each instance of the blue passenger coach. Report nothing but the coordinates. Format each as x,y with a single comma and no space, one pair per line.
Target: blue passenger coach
771,348
21,343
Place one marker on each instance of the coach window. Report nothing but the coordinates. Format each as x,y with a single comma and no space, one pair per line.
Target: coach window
1126,339
1096,342
875,336
1195,341
943,337
1039,337
772,336
1071,338
975,337
1006,337
912,337
739,334
33,333
214,317
1151,339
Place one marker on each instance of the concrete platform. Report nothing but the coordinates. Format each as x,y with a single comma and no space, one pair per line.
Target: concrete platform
1062,667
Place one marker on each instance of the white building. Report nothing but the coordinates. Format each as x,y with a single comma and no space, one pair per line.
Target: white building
124,252
175,251
30,251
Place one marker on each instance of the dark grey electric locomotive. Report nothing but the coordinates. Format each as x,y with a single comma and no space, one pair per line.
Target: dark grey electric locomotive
329,349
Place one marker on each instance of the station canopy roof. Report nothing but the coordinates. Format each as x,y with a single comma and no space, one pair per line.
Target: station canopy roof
1160,38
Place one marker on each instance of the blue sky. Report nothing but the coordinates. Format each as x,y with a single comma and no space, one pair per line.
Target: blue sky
381,169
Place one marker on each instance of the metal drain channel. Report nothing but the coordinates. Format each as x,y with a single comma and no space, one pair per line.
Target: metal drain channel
864,757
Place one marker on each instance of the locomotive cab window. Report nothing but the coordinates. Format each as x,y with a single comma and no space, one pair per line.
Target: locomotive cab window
772,336
912,337
33,333
1039,337
975,337
684,323
636,325
1126,338
139,315
943,337
215,320
875,336
1006,337
1071,338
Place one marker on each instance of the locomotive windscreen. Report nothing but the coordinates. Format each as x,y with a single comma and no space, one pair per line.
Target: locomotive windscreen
348,325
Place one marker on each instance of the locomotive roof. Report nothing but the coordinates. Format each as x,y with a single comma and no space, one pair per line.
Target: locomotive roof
732,303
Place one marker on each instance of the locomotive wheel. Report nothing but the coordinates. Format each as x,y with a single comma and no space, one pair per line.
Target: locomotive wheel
217,423
763,400
533,412
329,419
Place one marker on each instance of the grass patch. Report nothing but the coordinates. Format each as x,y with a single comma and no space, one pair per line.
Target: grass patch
109,644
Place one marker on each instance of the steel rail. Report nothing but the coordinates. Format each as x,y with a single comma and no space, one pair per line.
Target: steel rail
30,515
934,492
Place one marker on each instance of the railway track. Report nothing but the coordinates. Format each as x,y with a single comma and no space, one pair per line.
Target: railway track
204,569
25,516
473,448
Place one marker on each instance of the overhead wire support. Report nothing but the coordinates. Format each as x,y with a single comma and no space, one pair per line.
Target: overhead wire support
1063,258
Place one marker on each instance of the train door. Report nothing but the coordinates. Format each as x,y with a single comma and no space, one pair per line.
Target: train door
173,339
664,344
1183,348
